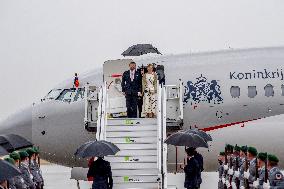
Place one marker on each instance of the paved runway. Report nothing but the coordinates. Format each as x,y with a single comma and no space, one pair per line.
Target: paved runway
59,177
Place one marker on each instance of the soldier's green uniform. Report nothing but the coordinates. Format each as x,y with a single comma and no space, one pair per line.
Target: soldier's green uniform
275,176
19,182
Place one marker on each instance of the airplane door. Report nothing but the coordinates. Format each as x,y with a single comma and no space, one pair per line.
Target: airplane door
112,74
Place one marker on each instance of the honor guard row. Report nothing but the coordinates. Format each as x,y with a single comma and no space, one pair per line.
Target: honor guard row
28,163
245,168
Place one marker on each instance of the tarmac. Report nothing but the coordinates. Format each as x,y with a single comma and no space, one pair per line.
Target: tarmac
57,176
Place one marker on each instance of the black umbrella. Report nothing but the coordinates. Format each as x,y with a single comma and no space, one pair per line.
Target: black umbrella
140,49
3,151
7,170
12,142
203,134
96,149
186,139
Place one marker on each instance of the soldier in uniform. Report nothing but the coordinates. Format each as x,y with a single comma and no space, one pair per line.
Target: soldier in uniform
33,168
275,176
37,166
236,165
221,160
19,181
100,170
228,167
11,181
261,160
26,173
243,159
251,172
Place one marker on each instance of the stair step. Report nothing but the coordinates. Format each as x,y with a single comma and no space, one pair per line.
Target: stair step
133,140
131,134
137,146
129,121
136,179
136,153
132,128
133,165
142,185
124,172
140,159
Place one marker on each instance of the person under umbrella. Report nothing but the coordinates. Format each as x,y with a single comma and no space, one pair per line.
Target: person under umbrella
7,172
191,171
100,169
199,158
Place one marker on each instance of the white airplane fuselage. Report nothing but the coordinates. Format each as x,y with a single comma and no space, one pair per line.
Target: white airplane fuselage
210,79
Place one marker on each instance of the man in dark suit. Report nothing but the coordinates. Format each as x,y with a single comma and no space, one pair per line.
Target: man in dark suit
131,87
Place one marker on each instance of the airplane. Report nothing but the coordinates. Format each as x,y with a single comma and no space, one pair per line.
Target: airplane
221,89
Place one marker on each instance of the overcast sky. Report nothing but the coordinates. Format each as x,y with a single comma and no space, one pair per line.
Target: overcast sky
45,42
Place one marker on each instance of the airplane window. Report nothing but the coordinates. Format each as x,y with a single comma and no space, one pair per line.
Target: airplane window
53,94
79,94
235,92
66,95
269,91
252,92
282,87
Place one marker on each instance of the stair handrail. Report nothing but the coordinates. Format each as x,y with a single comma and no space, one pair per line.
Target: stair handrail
181,99
86,97
102,115
99,114
164,136
159,124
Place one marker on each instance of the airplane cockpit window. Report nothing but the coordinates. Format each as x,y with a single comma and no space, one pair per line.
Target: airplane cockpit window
53,94
67,95
252,92
269,91
282,87
80,94
235,92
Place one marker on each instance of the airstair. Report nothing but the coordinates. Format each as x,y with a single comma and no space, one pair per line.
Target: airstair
142,160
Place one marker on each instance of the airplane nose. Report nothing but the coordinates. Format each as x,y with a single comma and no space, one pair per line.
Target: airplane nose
19,123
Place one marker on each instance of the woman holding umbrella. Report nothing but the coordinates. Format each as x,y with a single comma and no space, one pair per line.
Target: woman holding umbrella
100,170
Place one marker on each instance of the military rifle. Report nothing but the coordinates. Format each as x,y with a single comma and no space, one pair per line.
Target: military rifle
226,162
256,169
266,170
237,168
246,168
231,167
